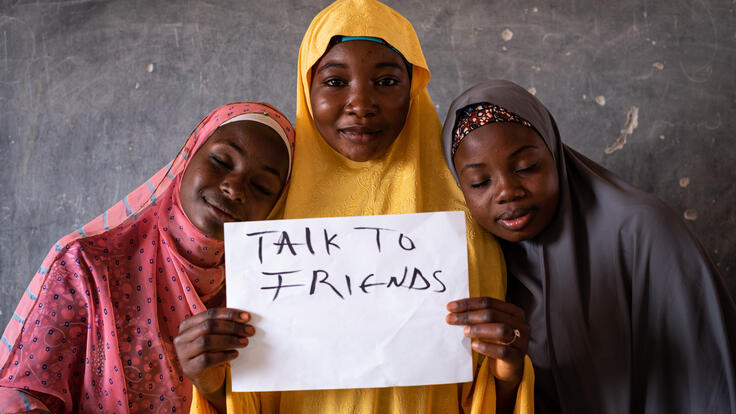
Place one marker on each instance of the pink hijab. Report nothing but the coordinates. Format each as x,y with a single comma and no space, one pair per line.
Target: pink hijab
94,329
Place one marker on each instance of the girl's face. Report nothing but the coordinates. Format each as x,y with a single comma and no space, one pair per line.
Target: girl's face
360,98
237,175
509,180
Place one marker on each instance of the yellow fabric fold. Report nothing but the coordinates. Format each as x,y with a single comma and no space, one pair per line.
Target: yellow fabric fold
410,178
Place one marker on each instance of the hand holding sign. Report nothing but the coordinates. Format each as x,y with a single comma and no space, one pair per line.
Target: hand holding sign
207,341
499,330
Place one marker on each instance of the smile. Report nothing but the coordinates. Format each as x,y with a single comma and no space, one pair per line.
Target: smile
220,212
359,135
515,220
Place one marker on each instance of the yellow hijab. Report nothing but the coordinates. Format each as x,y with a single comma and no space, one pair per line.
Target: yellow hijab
410,178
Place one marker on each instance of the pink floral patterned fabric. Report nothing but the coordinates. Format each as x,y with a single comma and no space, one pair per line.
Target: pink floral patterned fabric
94,330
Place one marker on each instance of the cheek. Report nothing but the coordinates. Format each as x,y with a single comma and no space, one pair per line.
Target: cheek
479,206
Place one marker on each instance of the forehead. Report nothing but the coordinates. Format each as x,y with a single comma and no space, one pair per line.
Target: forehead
360,51
250,137
501,138
246,131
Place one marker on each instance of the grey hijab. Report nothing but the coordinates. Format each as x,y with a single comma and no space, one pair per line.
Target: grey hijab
627,314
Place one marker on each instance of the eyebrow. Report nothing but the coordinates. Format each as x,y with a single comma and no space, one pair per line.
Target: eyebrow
512,155
515,153
235,146
379,65
329,65
271,170
476,165
390,65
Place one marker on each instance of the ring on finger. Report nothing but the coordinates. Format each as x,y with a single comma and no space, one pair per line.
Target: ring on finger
517,334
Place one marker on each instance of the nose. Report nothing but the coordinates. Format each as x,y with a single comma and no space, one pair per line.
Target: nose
508,189
233,186
361,101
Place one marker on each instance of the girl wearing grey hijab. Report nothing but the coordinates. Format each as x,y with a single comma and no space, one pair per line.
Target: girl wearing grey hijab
627,314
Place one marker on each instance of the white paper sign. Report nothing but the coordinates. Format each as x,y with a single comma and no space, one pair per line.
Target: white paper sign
349,302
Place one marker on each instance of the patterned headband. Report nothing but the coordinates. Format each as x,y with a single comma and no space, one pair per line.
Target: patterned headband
476,115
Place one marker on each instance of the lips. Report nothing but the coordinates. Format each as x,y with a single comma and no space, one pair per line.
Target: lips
516,219
359,134
220,209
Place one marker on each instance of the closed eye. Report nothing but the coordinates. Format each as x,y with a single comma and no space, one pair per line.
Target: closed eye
220,162
480,184
528,169
262,189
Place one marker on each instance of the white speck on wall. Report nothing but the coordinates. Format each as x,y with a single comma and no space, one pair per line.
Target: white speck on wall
568,53
684,182
654,43
130,148
535,10
690,214
661,137
585,97
149,67
532,91
12,141
536,68
504,48
137,85
600,100
658,65
507,35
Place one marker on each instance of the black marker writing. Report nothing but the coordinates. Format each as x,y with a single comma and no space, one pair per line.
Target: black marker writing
393,280
308,235
418,272
260,242
364,284
434,275
328,241
280,283
324,280
378,234
285,241
411,242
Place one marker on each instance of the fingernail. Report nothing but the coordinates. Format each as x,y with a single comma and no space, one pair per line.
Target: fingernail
250,330
451,318
467,331
451,306
244,316
243,341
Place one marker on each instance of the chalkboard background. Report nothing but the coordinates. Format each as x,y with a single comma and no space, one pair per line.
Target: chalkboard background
96,95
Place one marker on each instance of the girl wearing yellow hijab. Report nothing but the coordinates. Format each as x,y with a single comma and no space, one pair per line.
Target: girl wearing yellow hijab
369,143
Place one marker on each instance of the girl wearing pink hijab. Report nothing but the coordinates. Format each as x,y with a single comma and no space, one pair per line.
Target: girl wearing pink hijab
94,329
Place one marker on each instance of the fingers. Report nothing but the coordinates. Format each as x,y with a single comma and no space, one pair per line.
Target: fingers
472,304
209,344
212,336
211,359
231,314
216,327
500,334
502,352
